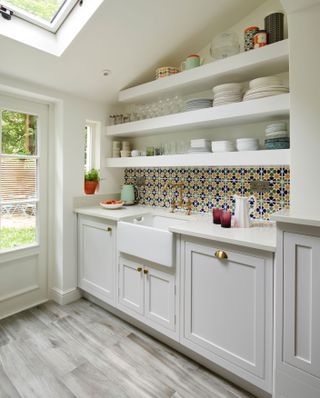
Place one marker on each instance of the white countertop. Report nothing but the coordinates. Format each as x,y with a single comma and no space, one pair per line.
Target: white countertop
114,215
262,238
198,225
295,217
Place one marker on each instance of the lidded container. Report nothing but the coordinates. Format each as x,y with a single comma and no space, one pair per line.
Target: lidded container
225,45
274,25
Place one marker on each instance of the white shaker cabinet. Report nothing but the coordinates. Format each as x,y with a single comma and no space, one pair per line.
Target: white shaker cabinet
298,313
147,294
131,287
96,255
227,311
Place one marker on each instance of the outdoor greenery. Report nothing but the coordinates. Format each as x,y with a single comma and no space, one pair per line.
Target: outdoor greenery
18,133
45,9
14,237
92,175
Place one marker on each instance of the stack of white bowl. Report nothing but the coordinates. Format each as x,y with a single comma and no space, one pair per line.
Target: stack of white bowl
223,146
227,93
199,146
247,144
265,87
126,149
198,103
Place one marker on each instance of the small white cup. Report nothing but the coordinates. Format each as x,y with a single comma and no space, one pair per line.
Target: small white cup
135,153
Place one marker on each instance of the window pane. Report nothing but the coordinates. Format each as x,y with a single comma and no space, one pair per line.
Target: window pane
18,179
18,133
18,225
45,9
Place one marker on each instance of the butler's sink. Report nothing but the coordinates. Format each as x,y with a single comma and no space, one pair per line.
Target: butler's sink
149,238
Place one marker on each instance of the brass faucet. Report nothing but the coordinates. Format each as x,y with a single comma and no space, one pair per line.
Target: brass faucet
175,205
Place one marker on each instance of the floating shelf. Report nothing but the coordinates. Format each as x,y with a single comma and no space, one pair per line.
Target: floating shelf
250,158
242,112
268,60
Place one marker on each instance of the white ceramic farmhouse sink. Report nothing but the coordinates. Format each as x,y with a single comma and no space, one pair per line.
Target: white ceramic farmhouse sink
148,237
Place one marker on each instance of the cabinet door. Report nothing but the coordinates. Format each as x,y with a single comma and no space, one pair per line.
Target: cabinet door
301,278
160,298
131,286
225,308
96,258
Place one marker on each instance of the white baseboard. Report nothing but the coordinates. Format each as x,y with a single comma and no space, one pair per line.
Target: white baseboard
63,297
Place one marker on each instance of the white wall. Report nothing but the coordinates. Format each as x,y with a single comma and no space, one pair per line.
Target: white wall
305,113
255,18
66,164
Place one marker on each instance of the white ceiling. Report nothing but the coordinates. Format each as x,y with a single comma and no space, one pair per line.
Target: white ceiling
129,37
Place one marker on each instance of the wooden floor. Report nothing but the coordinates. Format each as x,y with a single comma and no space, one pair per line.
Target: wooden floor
81,350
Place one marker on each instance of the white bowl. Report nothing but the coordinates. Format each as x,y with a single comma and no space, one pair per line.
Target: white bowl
125,154
135,153
228,87
112,206
223,146
265,81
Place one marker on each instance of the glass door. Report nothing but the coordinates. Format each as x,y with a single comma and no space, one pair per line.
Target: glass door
23,202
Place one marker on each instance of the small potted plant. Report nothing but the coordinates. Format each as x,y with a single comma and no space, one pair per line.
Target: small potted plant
91,181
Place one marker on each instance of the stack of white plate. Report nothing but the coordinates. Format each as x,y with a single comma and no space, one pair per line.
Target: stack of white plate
199,146
198,103
277,136
276,130
265,87
227,93
223,146
247,144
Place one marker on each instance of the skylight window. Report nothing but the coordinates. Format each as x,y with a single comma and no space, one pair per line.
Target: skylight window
48,14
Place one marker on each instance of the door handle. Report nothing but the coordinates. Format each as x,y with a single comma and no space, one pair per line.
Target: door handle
139,269
221,255
109,229
145,271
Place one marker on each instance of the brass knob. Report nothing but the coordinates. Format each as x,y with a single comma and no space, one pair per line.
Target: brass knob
145,271
221,254
139,269
109,229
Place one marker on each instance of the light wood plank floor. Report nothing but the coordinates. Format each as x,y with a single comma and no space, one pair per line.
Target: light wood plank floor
81,350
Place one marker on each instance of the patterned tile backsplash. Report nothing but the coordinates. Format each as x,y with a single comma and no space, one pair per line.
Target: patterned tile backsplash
209,187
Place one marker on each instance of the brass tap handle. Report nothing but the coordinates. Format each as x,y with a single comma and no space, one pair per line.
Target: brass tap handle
173,205
189,207
139,269
221,255
145,271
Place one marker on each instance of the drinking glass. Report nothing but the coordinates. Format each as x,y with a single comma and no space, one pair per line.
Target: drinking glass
216,213
226,219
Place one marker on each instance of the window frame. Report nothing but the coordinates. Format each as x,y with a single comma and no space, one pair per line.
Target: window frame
52,26
36,157
92,145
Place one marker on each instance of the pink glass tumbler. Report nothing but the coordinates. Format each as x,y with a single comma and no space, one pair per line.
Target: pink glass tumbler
226,219
216,213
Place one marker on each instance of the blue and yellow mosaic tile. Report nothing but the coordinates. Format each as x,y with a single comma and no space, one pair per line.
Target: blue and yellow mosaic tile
209,187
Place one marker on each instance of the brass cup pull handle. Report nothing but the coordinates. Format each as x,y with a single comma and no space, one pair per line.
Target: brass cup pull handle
222,255
145,271
109,229
139,269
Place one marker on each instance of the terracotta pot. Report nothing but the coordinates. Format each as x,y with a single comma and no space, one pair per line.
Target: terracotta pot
90,187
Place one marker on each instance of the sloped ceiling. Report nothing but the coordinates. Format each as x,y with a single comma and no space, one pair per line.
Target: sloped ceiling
129,37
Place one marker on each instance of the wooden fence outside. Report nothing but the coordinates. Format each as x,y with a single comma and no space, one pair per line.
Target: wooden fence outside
18,179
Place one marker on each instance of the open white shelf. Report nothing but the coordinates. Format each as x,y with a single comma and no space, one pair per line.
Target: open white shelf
268,60
250,158
242,112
